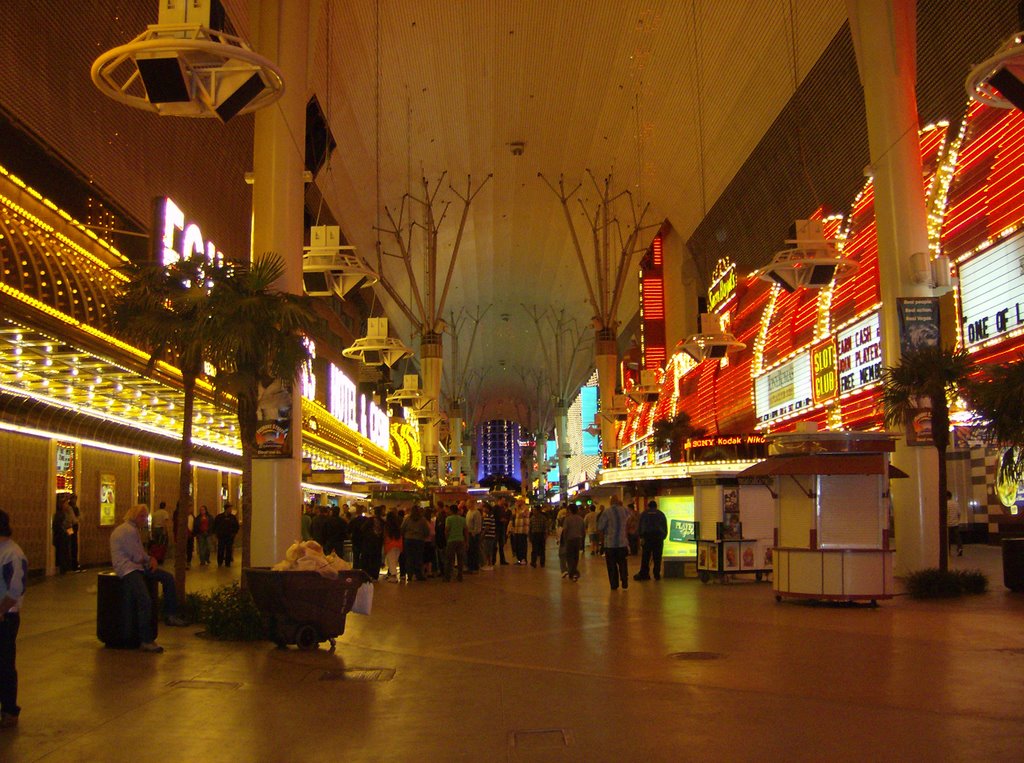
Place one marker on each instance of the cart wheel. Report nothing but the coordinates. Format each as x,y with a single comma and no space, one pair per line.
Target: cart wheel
281,643
874,604
757,576
307,637
704,576
778,598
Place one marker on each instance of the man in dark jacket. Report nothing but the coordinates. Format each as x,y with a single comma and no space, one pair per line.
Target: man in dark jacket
653,530
225,527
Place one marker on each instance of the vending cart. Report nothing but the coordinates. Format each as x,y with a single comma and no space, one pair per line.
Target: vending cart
831,514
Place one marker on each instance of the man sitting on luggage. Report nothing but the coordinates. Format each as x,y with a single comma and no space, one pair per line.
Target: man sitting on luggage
133,565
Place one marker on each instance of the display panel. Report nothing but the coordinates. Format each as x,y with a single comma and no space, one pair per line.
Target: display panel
992,292
785,390
678,510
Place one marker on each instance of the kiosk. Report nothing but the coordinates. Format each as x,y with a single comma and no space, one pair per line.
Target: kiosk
735,523
832,514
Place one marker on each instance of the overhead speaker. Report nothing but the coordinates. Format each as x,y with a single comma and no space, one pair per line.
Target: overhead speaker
1011,88
821,275
250,87
164,80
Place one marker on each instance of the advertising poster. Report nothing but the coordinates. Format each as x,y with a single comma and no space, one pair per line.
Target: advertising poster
274,420
731,513
730,556
825,385
678,510
919,322
108,494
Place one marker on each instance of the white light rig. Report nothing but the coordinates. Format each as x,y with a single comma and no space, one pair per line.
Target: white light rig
181,67
813,262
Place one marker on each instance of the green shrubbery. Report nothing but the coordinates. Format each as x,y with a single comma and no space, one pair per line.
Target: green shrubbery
936,584
228,613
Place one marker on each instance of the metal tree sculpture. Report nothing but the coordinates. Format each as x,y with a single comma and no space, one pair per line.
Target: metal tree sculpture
563,349
455,381
615,242
402,226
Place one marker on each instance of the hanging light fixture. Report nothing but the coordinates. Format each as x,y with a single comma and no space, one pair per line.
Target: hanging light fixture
181,67
713,342
377,348
999,80
812,262
330,268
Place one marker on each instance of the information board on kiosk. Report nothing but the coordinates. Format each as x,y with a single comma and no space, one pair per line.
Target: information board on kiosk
678,510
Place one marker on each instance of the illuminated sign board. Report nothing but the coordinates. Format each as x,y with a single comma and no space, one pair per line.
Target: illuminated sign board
181,239
785,390
739,447
860,353
678,511
723,284
358,412
825,370
992,292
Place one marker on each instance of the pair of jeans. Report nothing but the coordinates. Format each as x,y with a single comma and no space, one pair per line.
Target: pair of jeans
413,557
8,670
538,541
455,551
224,549
138,602
487,544
618,569
203,545
651,554
473,553
572,547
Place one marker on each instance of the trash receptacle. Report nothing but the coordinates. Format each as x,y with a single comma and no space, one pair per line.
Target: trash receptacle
1013,563
115,619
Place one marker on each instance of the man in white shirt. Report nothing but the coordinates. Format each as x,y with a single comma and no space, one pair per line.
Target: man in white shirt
134,565
612,524
13,570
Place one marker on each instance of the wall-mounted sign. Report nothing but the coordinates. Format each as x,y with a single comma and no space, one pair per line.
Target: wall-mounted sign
785,390
356,411
740,447
274,420
723,284
860,353
919,322
825,371
992,292
181,238
108,502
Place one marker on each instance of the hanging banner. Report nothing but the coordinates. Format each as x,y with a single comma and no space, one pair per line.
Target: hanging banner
919,322
108,495
274,420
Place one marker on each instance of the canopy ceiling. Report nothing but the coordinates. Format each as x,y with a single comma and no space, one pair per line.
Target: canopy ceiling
609,86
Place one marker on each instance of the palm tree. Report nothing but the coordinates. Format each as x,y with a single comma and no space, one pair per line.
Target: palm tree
260,337
160,310
673,433
996,399
934,373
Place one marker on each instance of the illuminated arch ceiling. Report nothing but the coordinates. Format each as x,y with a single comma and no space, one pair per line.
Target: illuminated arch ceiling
600,84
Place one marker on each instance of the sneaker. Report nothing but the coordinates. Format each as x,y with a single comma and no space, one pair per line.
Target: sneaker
150,646
391,580
8,721
175,621
565,574
488,568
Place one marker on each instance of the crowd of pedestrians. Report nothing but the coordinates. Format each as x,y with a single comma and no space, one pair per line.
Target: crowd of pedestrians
454,539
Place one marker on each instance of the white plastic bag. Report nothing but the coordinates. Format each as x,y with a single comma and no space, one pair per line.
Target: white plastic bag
364,599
